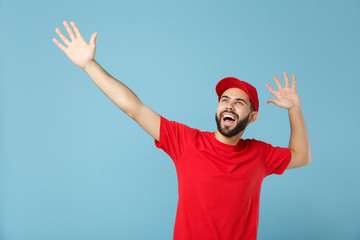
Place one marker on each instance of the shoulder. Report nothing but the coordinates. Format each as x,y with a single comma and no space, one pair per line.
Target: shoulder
178,127
175,123
259,143
255,142
261,147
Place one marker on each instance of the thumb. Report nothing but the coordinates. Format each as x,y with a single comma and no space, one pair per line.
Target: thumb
274,101
93,39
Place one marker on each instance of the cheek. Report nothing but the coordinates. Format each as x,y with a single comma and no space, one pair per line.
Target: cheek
218,111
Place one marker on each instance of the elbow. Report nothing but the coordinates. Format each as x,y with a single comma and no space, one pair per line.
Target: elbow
131,114
132,111
299,159
307,159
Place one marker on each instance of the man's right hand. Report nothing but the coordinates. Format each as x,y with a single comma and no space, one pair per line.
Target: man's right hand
78,50
82,54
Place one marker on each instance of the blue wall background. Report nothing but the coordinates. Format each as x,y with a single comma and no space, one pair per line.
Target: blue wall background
74,166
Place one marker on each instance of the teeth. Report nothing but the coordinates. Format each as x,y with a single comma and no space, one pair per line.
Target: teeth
229,116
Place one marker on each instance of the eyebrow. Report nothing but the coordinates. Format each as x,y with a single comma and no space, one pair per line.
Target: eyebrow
237,99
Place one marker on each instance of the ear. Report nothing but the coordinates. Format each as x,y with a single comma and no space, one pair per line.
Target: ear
253,116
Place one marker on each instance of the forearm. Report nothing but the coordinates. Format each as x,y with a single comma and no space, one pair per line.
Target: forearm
299,140
118,93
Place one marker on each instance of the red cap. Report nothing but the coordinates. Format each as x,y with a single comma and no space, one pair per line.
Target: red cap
231,82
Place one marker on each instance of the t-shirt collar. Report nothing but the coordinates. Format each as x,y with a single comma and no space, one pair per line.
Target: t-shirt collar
225,146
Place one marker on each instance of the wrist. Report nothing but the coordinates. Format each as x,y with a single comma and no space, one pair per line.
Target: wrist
294,109
89,64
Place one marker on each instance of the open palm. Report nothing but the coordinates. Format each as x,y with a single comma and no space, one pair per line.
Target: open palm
285,97
78,50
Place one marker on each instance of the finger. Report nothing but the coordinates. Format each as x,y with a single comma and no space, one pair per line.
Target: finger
93,39
287,82
278,83
293,82
62,47
69,30
271,90
77,32
63,38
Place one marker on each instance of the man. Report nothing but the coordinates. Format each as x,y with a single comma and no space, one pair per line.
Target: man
219,174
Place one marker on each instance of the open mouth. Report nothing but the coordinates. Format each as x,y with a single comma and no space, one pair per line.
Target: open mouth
228,119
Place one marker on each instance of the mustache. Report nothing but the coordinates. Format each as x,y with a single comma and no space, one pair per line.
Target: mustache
227,111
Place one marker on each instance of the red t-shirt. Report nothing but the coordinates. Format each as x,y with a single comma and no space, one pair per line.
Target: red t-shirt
219,184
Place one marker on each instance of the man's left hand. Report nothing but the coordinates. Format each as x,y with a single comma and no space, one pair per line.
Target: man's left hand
286,97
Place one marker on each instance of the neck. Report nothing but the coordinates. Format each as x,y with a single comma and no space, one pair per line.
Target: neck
228,140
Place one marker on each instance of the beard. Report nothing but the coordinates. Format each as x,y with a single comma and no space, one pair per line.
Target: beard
227,131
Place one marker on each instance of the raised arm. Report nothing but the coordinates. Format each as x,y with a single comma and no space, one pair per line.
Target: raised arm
82,54
299,141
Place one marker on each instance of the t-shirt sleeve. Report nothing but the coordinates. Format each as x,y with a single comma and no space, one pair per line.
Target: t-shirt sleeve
276,159
174,137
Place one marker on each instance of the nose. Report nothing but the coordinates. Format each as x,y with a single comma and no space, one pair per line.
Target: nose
229,106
